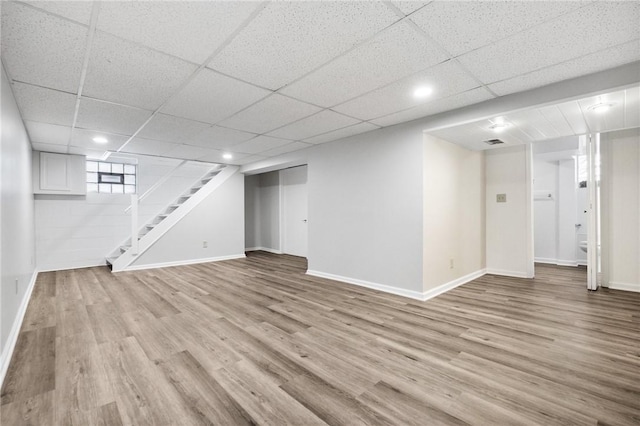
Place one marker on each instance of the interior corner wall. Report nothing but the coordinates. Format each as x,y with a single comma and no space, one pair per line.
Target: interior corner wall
217,222
454,213
509,230
365,209
262,212
17,249
620,192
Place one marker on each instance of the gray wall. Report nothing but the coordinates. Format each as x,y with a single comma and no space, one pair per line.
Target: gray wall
17,252
262,211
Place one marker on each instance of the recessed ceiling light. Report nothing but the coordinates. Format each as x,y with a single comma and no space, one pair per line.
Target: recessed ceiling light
227,156
422,92
498,124
601,107
100,140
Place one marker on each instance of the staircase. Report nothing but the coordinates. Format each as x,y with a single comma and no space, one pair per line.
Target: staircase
125,254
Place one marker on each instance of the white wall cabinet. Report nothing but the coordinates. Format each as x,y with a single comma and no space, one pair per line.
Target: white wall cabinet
61,174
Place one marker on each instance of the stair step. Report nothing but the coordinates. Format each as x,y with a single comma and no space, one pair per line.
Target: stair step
124,248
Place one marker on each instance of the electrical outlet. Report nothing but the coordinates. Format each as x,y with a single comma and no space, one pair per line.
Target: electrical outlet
451,263
16,286
205,244
501,198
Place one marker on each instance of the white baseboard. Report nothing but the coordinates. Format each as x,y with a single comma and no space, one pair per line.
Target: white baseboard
429,294
558,262
182,262
81,266
270,250
368,284
624,286
422,296
545,260
561,262
10,345
514,274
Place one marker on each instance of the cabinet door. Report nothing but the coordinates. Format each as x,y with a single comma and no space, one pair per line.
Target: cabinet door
54,172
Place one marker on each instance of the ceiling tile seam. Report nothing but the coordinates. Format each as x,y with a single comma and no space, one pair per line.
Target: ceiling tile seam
430,39
95,10
197,71
54,15
104,101
305,140
548,121
303,118
425,103
564,62
573,130
43,87
344,53
584,117
13,93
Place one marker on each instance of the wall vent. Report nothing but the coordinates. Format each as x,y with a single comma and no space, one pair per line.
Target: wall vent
493,142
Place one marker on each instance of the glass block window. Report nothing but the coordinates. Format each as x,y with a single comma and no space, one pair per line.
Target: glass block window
111,178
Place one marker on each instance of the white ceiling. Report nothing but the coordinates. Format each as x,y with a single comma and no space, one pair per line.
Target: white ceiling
195,80
570,118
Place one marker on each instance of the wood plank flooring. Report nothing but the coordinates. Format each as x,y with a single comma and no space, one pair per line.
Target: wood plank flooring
256,341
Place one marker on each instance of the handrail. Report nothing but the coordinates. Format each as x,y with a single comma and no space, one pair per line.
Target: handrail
159,182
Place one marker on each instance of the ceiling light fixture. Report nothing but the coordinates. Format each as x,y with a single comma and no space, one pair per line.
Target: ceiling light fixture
227,156
498,125
601,107
422,92
100,140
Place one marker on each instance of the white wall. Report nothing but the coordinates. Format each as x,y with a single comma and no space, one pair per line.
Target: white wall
545,175
454,213
365,209
218,220
262,212
17,250
73,232
621,209
509,225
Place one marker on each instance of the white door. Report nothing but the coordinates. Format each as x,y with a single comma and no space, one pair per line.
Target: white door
294,211
593,213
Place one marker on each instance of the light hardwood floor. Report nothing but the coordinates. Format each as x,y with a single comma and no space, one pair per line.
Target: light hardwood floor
256,341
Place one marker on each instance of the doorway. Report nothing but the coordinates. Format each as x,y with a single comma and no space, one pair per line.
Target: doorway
294,232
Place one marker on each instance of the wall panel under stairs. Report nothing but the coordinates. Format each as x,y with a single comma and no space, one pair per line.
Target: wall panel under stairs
217,221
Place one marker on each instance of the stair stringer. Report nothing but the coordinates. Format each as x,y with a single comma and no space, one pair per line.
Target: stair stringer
150,238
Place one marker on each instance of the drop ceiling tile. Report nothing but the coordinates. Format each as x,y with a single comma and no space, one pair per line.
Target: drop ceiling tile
123,72
322,122
463,26
588,64
148,147
211,97
79,11
84,138
285,149
270,113
361,70
217,156
45,147
111,118
41,49
216,137
45,105
96,154
459,100
247,160
48,133
446,79
260,144
408,7
176,28
590,29
532,123
168,128
342,133
188,152
289,39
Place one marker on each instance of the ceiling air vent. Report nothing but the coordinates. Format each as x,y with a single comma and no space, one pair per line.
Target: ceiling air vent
493,142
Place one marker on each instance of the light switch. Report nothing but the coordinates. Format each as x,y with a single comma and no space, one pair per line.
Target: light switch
501,198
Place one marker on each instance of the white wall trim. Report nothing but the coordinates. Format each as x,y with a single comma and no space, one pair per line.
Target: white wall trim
429,294
558,262
182,262
514,274
426,295
561,262
81,266
368,284
624,286
270,250
545,260
5,358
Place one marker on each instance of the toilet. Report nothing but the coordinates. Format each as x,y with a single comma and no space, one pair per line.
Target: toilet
583,246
